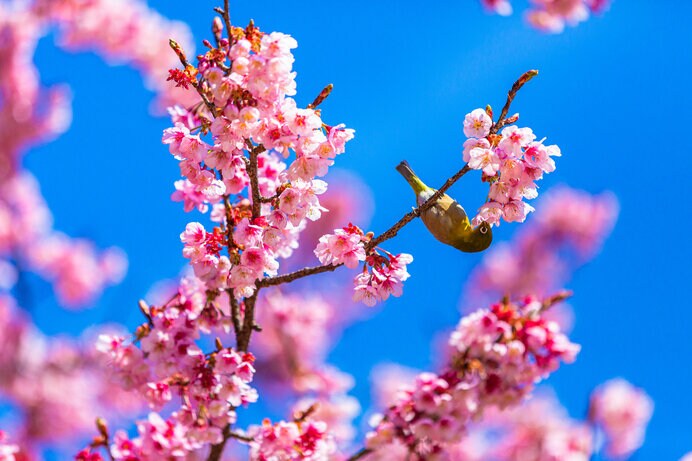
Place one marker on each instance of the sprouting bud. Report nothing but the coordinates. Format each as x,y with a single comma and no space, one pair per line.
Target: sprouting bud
322,96
217,26
142,331
178,50
144,307
102,427
512,119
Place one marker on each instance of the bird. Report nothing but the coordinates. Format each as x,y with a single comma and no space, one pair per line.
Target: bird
446,219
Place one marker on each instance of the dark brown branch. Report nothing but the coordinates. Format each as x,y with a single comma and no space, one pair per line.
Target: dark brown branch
217,450
251,167
360,454
269,199
242,438
299,274
235,312
555,299
501,121
300,417
227,20
248,322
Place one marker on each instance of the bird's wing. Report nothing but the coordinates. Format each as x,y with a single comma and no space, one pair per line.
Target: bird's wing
456,212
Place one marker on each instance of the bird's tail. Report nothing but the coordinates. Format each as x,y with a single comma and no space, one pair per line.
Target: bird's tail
406,171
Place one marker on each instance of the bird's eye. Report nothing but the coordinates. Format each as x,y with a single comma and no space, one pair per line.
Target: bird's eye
484,228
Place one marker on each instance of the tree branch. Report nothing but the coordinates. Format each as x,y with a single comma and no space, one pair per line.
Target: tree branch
227,20
362,453
193,80
386,235
526,76
248,322
217,450
299,274
254,181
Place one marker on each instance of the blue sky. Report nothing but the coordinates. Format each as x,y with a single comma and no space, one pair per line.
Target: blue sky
613,93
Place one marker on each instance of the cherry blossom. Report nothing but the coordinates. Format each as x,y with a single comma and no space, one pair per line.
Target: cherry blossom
622,411
497,355
510,161
552,15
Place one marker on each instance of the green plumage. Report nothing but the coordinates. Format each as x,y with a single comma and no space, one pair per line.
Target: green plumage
446,219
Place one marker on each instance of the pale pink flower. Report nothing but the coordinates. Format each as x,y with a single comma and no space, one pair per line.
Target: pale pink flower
477,124
343,247
538,156
473,143
484,159
497,355
514,139
516,211
310,441
501,7
623,412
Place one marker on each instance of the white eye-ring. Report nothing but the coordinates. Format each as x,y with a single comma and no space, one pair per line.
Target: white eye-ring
484,229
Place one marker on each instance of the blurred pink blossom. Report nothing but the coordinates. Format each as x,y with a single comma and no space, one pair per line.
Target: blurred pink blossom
622,411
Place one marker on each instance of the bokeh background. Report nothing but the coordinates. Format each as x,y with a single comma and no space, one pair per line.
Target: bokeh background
613,93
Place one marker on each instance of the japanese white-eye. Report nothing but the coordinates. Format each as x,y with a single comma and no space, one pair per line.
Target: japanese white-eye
446,219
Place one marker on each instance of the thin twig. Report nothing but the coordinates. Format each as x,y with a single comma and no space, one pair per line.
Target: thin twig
526,76
299,274
241,437
227,20
269,199
300,417
360,454
193,81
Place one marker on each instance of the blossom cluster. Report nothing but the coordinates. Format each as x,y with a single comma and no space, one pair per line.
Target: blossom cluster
539,430
295,440
254,126
382,275
511,162
170,366
622,411
56,383
78,272
55,386
552,15
497,355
